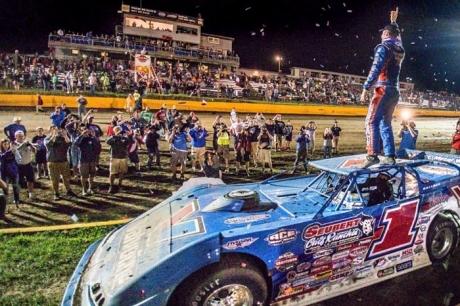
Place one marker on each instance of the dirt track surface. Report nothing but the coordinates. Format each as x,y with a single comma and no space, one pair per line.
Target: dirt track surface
144,192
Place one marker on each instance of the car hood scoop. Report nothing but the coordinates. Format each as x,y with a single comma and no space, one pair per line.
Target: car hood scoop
240,200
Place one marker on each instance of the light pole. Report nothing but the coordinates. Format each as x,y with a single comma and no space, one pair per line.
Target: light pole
279,59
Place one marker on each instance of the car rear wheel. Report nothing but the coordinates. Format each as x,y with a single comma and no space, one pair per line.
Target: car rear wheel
230,282
441,239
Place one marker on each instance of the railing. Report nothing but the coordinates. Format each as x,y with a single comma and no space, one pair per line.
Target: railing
151,49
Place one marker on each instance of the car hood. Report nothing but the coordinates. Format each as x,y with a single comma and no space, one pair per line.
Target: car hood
133,250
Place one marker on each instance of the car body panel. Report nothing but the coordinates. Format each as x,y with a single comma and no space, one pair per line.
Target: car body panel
318,235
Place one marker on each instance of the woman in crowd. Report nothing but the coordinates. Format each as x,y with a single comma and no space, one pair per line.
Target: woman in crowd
9,169
327,144
455,141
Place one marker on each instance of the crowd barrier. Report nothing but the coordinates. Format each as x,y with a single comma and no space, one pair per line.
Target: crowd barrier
241,107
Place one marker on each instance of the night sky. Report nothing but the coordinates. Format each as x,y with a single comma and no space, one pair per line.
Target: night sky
327,35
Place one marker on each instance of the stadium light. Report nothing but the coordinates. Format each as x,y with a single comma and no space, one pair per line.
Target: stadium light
279,59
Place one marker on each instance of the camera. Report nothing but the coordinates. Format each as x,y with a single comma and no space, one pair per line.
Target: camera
404,123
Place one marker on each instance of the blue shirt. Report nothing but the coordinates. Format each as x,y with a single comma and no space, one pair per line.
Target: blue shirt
302,142
407,141
198,137
56,119
12,128
180,141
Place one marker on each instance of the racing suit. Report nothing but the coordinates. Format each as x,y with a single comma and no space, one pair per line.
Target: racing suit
384,73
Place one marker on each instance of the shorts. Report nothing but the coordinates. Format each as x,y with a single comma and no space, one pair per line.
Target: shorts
242,157
118,165
88,169
133,157
26,171
265,155
40,157
198,153
74,155
56,170
178,156
224,151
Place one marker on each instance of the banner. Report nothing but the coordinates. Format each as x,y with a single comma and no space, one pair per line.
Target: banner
143,67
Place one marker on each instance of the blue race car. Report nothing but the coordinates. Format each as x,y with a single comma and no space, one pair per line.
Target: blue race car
283,241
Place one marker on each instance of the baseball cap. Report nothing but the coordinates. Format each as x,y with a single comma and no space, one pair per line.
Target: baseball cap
392,28
18,133
17,119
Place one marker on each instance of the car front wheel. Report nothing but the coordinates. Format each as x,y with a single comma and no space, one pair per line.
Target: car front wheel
230,282
441,239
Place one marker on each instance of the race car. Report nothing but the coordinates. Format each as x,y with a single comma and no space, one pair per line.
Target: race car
292,240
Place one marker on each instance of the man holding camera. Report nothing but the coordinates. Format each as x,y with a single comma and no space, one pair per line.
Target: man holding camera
265,140
198,135
302,140
26,171
408,135
118,154
57,116
178,140
88,144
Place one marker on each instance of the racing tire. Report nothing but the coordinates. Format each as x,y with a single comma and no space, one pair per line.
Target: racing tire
229,282
441,239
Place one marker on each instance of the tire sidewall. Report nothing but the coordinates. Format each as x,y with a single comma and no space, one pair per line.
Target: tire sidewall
441,223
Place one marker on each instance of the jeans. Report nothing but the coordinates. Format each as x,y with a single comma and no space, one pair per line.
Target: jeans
13,179
327,152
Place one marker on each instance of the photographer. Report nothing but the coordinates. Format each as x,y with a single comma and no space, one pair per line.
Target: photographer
216,125
212,165
151,138
243,150
265,140
408,135
57,116
302,140
178,140
198,134
88,144
327,143
310,130
223,144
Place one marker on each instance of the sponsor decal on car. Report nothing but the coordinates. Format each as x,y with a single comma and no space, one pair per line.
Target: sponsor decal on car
386,272
302,281
247,219
343,247
418,241
303,266
340,255
292,275
339,276
394,257
437,200
379,262
320,269
358,260
419,249
407,253
324,274
422,228
286,262
240,243
341,263
321,261
404,266
365,242
288,291
282,236
322,253
316,284
333,234
340,270
359,251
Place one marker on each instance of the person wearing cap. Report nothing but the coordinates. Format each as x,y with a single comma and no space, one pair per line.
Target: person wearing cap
280,128
408,135
57,145
82,103
26,171
13,127
336,130
118,153
384,74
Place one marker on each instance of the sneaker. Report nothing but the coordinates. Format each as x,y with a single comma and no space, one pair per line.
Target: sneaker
83,193
31,196
90,191
111,190
56,196
39,176
193,169
139,174
388,160
248,173
370,161
263,170
182,177
70,193
226,170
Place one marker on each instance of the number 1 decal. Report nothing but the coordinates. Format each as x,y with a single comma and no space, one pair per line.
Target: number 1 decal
396,229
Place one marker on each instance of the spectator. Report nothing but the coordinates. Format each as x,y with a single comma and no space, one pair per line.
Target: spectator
254,129
129,104
336,130
279,131
192,119
137,100
327,144
178,140
12,128
212,165
310,130
408,135
24,160
54,81
9,168
57,117
302,140
288,136
265,140
73,128
216,125
65,109
39,104
118,154
243,150
147,114
133,153
236,128
82,103
151,138
40,154
92,82
161,117
46,79
89,150
57,145
198,136
455,141
3,202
